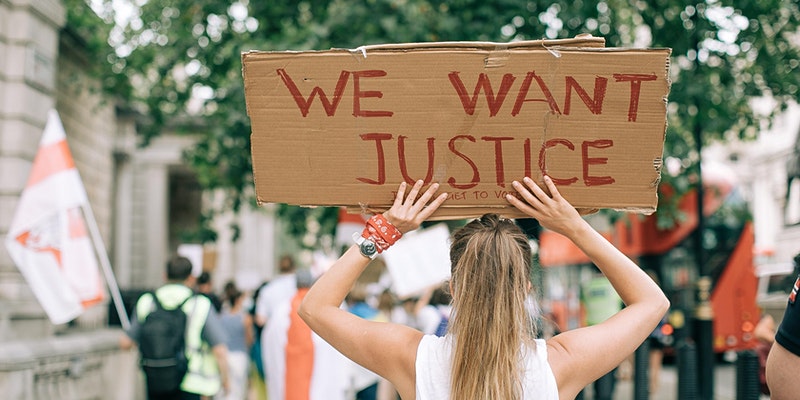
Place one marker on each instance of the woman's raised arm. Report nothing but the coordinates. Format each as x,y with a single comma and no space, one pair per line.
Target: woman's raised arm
580,356
387,349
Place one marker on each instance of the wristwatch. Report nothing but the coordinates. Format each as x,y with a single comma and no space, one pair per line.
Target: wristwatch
367,247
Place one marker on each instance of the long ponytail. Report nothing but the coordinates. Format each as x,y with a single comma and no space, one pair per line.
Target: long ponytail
490,326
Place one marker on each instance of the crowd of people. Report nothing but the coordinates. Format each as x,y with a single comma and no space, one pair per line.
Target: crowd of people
269,352
334,337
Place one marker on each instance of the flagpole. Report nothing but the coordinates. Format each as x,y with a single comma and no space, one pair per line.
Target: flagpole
104,261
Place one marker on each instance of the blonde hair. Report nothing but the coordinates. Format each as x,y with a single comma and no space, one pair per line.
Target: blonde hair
490,326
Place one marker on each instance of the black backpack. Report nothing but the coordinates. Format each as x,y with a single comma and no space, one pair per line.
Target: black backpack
162,346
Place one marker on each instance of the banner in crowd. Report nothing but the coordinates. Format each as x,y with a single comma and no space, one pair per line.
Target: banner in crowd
420,261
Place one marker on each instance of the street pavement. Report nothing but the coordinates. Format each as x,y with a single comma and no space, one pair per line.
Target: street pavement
724,385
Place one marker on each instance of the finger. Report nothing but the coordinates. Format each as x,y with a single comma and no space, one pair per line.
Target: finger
412,195
551,186
537,191
401,192
521,205
526,194
423,200
432,207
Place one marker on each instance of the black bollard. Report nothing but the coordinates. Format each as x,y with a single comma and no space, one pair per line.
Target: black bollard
687,370
641,372
748,386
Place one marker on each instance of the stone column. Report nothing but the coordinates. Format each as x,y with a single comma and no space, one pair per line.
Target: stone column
29,32
124,149
150,245
156,224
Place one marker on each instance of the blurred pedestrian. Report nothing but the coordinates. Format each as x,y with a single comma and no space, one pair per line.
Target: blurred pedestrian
657,341
441,301
363,381
206,288
258,388
299,364
357,303
386,306
489,351
279,289
783,362
600,302
205,349
238,325
765,335
426,312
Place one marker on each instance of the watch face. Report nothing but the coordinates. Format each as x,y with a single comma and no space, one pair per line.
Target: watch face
368,248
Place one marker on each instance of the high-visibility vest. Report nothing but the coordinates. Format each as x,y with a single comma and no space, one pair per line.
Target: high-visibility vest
202,376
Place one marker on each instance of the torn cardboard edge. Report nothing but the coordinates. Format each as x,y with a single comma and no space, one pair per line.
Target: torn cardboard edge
578,41
585,40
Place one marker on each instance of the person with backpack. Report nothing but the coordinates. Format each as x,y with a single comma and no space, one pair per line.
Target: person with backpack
180,339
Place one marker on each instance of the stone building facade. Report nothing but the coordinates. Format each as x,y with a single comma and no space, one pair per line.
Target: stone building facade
39,360
141,199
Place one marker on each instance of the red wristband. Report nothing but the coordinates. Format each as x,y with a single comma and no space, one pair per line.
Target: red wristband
388,232
381,232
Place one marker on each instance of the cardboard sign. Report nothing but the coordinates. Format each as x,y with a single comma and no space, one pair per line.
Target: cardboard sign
345,127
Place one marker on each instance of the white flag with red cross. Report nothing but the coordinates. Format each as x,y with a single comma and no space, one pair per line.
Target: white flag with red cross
48,238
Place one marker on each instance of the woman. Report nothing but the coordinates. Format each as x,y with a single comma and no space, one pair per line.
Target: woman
238,326
489,351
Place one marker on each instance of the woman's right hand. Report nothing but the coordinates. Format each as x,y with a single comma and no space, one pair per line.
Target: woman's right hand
552,211
408,210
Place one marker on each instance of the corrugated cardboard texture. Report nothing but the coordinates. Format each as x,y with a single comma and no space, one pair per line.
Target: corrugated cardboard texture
344,127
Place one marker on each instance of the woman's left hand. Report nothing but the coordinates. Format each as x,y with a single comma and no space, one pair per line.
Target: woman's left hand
552,210
408,211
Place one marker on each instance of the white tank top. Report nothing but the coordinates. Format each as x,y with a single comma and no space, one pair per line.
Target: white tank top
433,371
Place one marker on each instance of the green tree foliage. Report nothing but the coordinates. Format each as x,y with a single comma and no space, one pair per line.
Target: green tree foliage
178,61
